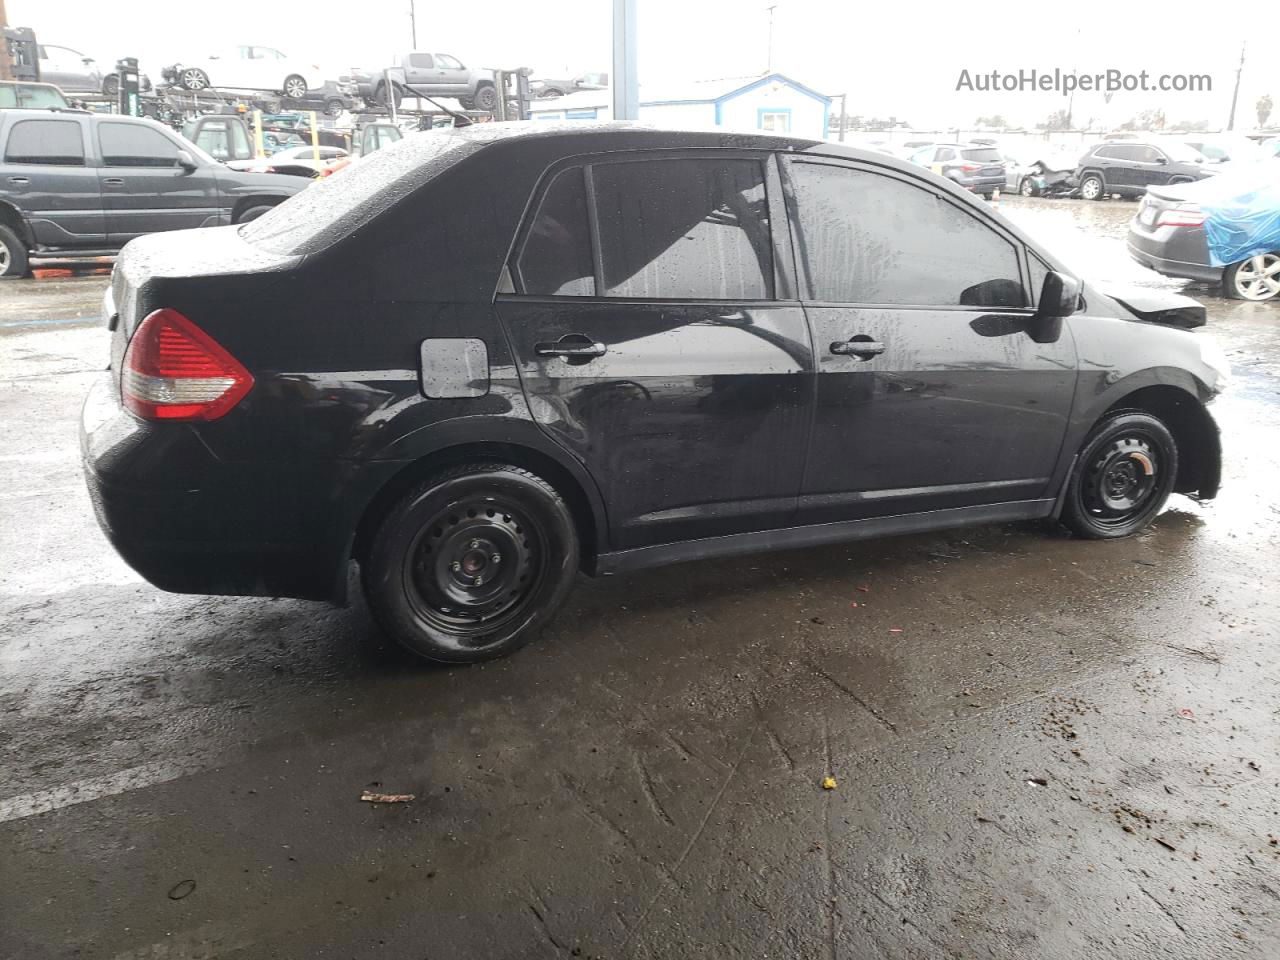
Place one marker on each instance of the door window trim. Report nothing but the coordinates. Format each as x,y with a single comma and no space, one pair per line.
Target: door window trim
782,255
804,282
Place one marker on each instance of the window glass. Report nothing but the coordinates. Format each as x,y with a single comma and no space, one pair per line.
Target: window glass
981,154
1111,152
1039,270
31,95
224,140
775,121
135,145
420,60
684,229
56,142
1147,154
556,259
945,153
447,62
867,238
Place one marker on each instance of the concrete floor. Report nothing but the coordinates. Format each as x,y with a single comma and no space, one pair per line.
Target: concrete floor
1042,747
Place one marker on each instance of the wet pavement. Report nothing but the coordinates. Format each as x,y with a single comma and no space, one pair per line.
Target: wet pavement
1041,747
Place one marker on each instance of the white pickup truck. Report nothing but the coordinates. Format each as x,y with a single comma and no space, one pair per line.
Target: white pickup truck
434,74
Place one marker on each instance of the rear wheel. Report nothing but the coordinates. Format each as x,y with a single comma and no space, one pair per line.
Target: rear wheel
387,96
193,78
1092,187
333,107
13,255
1122,477
254,212
1257,278
469,565
110,85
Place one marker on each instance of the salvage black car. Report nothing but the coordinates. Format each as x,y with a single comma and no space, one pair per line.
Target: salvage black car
485,359
1129,168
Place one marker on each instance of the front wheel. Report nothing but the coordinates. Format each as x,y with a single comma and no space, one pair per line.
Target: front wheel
294,87
110,85
486,98
1122,477
1257,278
254,212
1027,187
13,255
1092,187
469,565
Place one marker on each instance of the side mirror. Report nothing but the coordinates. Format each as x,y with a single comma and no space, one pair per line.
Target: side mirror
186,161
1059,298
1162,159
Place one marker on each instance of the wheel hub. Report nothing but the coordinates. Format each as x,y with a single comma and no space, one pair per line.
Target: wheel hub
1122,479
473,563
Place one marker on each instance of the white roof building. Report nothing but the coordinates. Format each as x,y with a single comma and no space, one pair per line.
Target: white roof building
773,103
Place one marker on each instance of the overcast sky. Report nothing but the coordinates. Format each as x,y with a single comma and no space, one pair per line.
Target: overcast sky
892,58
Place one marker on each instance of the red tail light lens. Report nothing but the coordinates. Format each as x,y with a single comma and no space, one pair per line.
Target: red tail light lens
1187,215
173,370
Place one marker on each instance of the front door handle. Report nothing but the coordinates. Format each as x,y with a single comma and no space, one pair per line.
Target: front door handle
19,180
861,346
114,181
572,346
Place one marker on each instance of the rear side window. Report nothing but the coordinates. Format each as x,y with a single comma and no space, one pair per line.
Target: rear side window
224,140
135,145
868,238
57,142
945,153
556,259
981,154
684,229
421,60
1107,152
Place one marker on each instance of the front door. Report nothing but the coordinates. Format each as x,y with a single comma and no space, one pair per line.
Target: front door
930,392
655,344
451,75
144,190
46,177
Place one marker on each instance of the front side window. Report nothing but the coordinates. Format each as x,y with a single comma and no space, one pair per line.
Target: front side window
556,259
447,62
57,142
684,229
868,238
135,145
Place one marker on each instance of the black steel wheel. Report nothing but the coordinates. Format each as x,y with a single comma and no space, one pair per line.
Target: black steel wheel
469,565
1122,478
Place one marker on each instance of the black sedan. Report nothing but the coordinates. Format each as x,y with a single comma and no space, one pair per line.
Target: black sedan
483,360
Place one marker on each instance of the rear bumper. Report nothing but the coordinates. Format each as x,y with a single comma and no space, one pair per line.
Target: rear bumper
190,523
982,184
1154,257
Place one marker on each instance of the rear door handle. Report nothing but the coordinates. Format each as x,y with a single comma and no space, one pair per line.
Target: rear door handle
114,181
862,347
572,346
21,180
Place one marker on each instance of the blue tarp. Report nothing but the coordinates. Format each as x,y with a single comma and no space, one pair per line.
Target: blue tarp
1242,212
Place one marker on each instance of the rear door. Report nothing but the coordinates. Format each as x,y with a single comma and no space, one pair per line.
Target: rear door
421,68
47,177
143,188
930,393
658,339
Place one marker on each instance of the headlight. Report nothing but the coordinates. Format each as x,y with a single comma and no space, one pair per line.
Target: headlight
1213,357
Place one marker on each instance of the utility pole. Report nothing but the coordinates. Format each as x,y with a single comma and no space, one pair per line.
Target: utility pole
843,98
769,60
626,81
413,22
4,46
1235,94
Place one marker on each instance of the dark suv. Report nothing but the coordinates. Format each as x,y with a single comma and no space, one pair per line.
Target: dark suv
975,167
1128,168
484,359
80,184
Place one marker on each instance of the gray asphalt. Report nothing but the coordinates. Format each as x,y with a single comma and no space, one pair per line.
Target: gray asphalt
1041,747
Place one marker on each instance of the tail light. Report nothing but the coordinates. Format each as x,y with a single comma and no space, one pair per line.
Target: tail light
173,370
1187,215
971,168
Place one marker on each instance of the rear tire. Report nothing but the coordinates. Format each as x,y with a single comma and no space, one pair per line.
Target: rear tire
385,98
469,565
1122,478
333,107
1256,279
13,255
1092,187
254,212
110,85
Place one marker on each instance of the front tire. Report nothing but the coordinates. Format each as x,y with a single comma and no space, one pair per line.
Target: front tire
469,565
1122,478
1092,187
294,87
110,85
13,255
1027,187
1257,278
486,98
254,212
